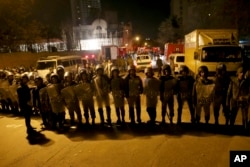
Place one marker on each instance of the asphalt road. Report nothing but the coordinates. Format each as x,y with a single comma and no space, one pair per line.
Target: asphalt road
128,146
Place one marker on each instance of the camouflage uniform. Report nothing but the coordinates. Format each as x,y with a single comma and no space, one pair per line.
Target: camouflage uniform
184,93
102,89
118,93
151,90
203,94
168,85
133,90
222,81
238,96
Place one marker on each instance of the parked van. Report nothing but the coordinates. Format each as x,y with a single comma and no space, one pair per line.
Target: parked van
50,63
142,61
176,60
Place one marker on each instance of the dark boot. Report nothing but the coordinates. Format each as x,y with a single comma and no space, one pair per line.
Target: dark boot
179,117
216,121
197,119
138,114
207,118
123,115
118,115
100,110
108,110
163,115
132,115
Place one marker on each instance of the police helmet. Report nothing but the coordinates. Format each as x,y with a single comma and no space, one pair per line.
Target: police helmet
54,75
239,70
99,67
167,68
60,68
82,71
38,78
9,73
24,75
148,69
131,67
203,69
68,74
221,67
21,69
114,68
31,75
184,68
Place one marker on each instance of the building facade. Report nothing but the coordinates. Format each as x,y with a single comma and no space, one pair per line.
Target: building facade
94,28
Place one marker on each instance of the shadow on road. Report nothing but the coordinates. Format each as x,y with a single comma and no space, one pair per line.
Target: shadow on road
37,138
128,131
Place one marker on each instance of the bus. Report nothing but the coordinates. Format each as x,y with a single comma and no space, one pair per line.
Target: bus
49,64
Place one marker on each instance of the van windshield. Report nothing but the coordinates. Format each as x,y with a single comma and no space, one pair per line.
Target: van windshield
46,65
221,54
180,59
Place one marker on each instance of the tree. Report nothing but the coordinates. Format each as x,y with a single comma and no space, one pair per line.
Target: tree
170,30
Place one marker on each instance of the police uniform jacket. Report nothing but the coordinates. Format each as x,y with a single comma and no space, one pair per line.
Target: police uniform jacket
133,86
238,91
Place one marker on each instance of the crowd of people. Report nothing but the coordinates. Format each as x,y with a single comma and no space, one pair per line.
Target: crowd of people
63,91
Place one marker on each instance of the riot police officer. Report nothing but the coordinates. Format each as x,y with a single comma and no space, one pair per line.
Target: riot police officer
56,101
102,88
133,90
118,93
238,96
222,81
60,72
203,93
184,92
84,92
168,85
70,98
151,89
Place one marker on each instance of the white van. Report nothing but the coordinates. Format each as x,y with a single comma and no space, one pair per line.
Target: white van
176,61
50,63
142,61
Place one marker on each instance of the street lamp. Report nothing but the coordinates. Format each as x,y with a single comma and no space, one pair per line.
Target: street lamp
137,38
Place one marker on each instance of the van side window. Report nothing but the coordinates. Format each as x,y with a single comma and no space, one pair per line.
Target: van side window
180,59
73,62
65,63
78,61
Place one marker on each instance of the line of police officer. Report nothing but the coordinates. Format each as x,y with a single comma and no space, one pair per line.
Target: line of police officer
63,89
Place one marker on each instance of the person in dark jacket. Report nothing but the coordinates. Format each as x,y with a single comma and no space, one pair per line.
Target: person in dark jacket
24,99
185,84
222,81
168,85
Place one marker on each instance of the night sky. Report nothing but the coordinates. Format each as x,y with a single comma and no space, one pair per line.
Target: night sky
145,15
